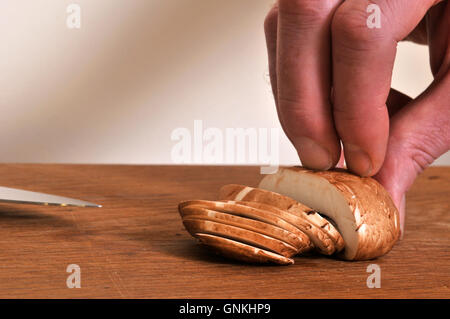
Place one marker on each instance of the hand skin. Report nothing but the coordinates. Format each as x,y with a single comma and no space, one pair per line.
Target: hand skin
331,79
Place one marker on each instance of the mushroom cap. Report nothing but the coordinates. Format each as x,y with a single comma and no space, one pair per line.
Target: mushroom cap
361,208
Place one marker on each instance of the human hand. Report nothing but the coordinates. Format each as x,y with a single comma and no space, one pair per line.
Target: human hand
331,78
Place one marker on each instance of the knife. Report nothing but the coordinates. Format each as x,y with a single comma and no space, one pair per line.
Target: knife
13,195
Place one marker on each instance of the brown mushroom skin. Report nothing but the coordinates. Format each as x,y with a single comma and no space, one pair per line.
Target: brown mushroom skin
375,217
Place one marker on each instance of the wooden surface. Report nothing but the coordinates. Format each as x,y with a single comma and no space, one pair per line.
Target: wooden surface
136,246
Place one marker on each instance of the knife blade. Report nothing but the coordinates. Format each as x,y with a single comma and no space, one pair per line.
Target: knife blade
19,196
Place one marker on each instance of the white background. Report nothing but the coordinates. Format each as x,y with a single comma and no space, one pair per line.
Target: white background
113,91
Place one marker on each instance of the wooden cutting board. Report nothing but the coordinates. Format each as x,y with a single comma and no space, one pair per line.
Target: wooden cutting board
136,247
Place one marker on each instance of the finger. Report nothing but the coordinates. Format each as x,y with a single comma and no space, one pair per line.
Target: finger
420,133
395,102
363,60
421,130
270,30
439,36
303,79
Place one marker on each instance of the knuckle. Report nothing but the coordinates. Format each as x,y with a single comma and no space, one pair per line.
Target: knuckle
421,160
349,28
307,9
427,145
348,119
298,118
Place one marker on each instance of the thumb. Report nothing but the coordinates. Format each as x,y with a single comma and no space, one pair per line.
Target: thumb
419,134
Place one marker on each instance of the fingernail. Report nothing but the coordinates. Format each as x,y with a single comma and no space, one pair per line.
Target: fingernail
313,155
357,160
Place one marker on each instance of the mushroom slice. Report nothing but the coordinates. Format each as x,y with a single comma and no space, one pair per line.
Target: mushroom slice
362,209
243,210
250,194
246,193
321,241
319,221
236,250
331,230
239,234
194,212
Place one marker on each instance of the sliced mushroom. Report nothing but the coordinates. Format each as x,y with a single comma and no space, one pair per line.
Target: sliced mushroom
195,212
322,233
294,211
321,241
362,209
236,250
255,239
319,221
241,209
249,194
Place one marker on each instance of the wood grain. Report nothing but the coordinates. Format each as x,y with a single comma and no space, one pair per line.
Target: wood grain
136,246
